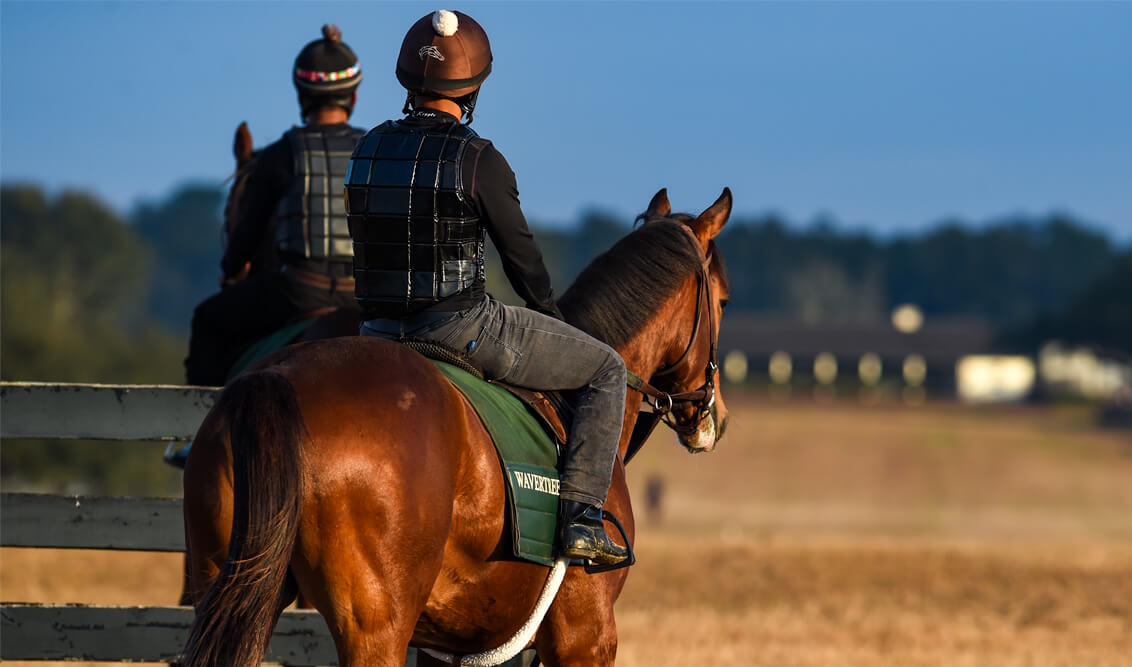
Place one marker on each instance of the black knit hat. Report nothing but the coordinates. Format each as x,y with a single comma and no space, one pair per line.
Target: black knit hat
326,72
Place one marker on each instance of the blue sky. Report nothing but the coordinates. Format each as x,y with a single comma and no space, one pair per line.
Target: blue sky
883,116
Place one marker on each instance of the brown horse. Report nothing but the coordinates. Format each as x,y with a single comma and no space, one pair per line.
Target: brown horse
352,471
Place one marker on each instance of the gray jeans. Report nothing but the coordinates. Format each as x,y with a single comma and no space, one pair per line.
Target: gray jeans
525,348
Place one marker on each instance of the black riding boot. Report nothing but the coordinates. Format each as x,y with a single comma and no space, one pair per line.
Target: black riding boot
581,534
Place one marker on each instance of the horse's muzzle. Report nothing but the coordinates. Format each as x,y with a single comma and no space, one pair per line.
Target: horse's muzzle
704,438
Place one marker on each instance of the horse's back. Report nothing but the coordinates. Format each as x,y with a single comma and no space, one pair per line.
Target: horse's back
356,364
373,396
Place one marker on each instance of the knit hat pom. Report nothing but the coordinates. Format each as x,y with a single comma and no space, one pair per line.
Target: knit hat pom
445,23
331,32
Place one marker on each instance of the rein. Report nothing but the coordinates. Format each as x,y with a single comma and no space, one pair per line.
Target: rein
661,402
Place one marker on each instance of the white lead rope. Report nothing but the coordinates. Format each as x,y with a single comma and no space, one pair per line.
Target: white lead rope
524,634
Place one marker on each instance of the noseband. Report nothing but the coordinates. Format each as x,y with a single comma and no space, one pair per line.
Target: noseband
702,399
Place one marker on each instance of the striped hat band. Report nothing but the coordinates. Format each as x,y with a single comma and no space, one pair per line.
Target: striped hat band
317,77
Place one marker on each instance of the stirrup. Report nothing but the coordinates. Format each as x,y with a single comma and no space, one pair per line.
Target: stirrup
176,454
592,568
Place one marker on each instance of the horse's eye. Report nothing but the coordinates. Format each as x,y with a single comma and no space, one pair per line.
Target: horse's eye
723,303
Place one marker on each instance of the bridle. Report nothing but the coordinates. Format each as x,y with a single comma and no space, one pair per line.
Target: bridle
702,398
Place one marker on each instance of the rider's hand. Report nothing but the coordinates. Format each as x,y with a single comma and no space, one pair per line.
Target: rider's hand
227,281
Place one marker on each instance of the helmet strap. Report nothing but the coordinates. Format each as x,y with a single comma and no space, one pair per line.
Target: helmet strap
468,104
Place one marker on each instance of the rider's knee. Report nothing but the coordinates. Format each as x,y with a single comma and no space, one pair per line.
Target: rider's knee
613,370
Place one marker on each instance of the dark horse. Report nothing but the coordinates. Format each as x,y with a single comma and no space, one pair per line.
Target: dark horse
351,471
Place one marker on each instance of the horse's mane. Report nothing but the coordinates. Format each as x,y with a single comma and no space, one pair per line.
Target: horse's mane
623,288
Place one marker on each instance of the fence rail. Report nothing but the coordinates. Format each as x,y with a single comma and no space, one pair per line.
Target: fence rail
99,633
141,634
103,411
84,522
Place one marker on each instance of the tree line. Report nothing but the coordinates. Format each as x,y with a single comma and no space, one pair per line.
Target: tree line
89,294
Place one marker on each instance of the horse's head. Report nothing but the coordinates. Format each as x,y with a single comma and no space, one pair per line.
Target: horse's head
245,154
657,297
689,374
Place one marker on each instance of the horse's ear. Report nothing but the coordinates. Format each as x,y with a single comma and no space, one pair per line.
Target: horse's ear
712,220
659,206
242,146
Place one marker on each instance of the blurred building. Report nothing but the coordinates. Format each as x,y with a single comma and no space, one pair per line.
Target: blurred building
907,352
1080,371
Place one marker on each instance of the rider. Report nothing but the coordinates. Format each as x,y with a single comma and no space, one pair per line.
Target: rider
294,195
420,194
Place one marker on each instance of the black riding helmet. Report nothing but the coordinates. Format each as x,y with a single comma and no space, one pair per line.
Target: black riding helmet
326,73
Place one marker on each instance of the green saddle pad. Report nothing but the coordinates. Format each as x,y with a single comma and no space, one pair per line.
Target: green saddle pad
268,344
529,460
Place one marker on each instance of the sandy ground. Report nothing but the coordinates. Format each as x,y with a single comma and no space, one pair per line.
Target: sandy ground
830,535
849,535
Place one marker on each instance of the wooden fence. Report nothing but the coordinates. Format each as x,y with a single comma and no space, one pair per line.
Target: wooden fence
118,634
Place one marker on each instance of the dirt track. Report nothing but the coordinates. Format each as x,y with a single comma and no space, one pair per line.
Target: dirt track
868,602
832,535
843,535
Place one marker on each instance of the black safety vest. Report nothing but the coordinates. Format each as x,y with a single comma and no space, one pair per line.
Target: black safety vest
416,229
310,220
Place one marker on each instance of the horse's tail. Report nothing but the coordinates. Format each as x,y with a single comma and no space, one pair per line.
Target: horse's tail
237,615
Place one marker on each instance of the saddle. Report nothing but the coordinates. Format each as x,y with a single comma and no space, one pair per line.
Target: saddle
528,429
550,407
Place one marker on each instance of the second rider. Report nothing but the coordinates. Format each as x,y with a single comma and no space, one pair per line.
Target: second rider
293,202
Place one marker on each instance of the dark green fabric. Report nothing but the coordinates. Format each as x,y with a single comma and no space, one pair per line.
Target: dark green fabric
529,460
268,344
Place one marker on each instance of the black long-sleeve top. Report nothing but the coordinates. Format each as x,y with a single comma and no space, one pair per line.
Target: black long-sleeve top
490,181
254,232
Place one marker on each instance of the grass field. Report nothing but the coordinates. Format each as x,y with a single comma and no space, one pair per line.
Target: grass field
832,535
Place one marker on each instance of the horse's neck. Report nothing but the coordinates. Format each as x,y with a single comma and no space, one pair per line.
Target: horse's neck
661,340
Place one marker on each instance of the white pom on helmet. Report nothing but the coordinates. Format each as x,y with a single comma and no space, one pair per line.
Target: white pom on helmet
445,23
